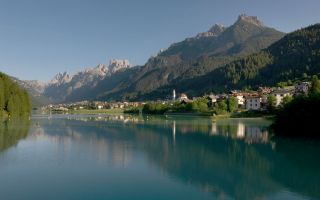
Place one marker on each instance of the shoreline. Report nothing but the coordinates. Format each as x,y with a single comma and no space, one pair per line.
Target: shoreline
189,114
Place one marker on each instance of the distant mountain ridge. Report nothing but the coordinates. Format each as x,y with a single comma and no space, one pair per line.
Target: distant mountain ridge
179,65
60,79
226,40
294,57
214,31
193,57
100,70
64,85
35,89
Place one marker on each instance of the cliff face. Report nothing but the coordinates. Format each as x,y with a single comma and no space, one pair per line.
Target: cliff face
116,65
64,85
214,31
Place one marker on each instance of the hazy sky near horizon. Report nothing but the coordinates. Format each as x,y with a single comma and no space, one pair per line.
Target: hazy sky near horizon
39,38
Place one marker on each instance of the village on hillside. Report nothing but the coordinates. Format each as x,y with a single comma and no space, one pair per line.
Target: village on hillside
246,100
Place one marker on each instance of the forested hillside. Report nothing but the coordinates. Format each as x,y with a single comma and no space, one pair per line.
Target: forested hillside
294,57
13,100
189,59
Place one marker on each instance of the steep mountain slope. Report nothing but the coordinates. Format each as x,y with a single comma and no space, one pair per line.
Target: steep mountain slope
64,87
291,58
35,90
115,80
246,35
194,57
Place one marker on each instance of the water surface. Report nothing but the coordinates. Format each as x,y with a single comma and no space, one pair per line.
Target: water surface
127,157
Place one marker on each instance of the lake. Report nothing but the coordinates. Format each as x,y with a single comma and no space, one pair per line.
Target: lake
80,157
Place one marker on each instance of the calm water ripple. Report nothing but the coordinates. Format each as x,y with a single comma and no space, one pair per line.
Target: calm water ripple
129,157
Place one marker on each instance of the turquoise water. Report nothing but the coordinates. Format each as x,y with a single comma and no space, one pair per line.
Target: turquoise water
126,157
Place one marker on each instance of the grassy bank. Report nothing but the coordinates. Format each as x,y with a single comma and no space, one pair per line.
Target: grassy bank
189,113
101,111
87,111
249,114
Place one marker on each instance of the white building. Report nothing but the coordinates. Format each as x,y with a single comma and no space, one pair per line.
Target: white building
280,94
212,100
241,100
253,102
240,97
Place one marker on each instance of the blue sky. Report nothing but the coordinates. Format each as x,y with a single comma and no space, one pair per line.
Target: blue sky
39,38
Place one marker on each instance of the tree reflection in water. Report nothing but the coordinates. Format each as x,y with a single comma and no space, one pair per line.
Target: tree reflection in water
230,158
13,130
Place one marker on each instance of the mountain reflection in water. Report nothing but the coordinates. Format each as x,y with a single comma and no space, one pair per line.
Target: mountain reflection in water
229,159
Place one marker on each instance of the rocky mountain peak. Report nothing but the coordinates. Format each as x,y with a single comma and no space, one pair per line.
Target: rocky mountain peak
99,70
36,85
116,65
60,78
217,29
33,86
64,85
214,31
101,67
250,19
89,75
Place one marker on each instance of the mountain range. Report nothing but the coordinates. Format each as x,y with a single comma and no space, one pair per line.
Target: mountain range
293,58
243,55
64,85
193,57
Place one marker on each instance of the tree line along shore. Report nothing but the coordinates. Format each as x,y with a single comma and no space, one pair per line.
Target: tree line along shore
14,101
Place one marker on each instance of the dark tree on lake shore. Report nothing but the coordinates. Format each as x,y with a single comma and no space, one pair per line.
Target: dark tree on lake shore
299,117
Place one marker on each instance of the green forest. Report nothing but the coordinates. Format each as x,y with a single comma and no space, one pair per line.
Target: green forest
300,117
293,58
14,102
